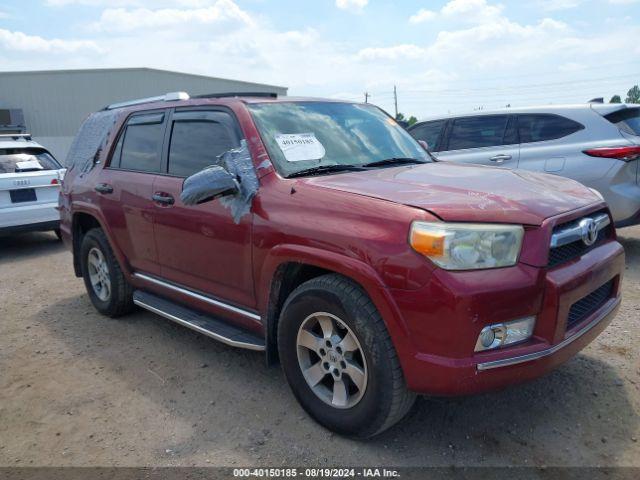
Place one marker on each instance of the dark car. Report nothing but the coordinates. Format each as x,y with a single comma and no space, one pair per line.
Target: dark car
323,234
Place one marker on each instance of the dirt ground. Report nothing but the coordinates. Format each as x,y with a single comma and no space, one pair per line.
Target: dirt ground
79,389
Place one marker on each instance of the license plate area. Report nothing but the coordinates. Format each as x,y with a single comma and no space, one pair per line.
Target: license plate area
23,195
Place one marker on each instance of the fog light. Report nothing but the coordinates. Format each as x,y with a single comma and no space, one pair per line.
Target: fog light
502,334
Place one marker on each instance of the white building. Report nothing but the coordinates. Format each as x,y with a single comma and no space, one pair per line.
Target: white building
55,102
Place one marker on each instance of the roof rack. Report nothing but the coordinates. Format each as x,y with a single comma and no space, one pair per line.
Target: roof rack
167,97
238,94
16,136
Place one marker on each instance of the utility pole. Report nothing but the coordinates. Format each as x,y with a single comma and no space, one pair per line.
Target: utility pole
366,97
395,99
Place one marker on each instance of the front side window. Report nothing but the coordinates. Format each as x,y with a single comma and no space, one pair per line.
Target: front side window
197,143
477,132
429,132
541,127
18,160
142,143
301,135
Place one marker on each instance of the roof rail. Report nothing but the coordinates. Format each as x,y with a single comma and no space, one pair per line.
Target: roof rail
167,97
238,94
16,136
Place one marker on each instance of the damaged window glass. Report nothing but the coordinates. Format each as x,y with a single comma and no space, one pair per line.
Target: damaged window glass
303,135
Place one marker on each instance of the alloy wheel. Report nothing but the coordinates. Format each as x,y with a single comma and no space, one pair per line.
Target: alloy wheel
99,274
331,360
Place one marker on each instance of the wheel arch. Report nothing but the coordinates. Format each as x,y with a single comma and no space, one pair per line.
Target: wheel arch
288,266
83,221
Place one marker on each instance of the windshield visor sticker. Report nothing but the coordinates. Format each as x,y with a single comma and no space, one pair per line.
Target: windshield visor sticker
300,147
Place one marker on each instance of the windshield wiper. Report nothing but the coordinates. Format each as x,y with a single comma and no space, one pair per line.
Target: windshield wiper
325,169
393,161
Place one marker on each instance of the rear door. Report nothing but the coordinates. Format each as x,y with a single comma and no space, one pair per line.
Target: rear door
548,144
482,139
200,246
125,188
29,186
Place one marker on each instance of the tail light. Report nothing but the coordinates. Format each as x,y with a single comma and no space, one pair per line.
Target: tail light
55,181
626,153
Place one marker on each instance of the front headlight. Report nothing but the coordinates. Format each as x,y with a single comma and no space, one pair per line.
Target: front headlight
466,246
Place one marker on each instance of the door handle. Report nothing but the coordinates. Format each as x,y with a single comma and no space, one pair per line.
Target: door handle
500,158
163,198
103,188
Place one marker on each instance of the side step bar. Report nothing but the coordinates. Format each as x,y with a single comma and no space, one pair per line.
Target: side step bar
205,324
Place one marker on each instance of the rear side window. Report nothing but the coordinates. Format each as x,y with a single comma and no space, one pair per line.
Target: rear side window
198,140
141,143
540,127
430,132
627,120
477,132
16,160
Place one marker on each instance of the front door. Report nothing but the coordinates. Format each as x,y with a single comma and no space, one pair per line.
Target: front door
484,139
201,247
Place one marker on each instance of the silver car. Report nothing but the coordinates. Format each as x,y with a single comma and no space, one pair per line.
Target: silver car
596,144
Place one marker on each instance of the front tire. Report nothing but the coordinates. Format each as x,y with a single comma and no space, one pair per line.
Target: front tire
339,360
106,285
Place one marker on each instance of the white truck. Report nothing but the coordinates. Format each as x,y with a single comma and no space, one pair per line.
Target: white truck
29,185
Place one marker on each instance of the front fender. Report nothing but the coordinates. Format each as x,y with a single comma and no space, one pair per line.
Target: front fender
349,267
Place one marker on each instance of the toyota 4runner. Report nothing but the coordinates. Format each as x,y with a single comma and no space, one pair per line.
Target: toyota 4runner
323,234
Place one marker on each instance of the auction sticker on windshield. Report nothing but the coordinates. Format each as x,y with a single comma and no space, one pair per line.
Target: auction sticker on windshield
298,147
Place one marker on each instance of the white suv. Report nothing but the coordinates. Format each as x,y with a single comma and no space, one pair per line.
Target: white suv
595,144
29,185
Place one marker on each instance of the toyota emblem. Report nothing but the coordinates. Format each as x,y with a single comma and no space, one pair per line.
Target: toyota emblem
589,231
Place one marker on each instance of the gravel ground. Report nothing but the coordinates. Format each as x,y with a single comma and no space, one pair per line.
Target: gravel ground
79,389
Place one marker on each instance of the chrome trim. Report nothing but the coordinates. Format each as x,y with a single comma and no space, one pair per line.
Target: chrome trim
550,351
574,231
167,97
198,296
204,331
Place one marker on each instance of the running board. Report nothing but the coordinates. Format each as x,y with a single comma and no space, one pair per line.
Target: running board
201,323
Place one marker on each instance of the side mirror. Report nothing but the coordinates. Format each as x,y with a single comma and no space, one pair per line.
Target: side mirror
208,184
424,144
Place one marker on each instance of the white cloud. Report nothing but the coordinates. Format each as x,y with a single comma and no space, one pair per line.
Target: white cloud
11,42
130,3
395,52
468,11
123,20
353,5
623,2
422,15
554,5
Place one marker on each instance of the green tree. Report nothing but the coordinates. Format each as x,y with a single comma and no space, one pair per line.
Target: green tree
633,95
407,122
615,99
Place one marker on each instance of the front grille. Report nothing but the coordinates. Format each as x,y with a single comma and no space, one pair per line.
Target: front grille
576,249
589,304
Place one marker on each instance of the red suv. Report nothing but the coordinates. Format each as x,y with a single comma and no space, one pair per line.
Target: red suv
323,234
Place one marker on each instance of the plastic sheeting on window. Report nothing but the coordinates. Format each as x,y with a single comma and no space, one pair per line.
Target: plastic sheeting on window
91,139
238,162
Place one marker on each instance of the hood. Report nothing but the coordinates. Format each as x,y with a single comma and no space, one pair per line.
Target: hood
467,193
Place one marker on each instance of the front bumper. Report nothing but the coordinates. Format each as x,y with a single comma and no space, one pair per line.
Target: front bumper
441,358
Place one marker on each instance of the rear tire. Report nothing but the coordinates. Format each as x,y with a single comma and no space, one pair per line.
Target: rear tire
368,370
106,285
58,233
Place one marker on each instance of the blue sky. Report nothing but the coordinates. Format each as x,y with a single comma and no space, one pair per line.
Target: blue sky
444,56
